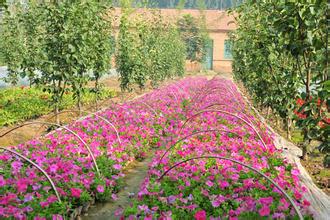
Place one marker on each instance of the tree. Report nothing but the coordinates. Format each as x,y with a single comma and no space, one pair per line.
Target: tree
148,49
280,55
64,41
195,37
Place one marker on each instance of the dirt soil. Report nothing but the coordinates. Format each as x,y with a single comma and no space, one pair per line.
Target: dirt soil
319,173
135,175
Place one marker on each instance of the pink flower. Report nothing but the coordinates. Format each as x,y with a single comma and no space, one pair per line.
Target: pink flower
51,199
295,172
75,192
114,197
22,185
53,168
28,197
57,217
117,166
297,195
223,184
100,189
266,200
5,200
200,215
2,181
209,183
306,203
144,208
44,204
216,203
16,166
264,211
39,218
171,199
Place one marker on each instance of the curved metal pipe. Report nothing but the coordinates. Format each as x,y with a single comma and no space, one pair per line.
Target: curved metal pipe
147,105
247,166
190,135
38,167
65,128
228,113
91,113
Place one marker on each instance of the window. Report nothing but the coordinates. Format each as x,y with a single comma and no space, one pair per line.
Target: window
227,50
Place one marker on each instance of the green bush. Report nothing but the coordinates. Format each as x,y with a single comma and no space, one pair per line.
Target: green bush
279,52
23,103
149,49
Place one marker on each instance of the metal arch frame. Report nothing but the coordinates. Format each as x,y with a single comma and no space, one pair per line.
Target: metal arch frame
228,113
64,127
247,166
38,167
193,134
91,113
147,105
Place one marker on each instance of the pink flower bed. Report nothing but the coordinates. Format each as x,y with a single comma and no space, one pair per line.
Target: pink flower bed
201,189
211,188
25,192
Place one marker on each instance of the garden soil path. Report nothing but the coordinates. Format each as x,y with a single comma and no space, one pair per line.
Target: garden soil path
135,175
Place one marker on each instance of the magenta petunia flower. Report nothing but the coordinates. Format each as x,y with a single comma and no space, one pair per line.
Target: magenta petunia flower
2,181
266,200
223,184
114,196
53,168
200,215
22,185
75,192
209,183
117,166
16,166
264,211
57,217
216,203
100,188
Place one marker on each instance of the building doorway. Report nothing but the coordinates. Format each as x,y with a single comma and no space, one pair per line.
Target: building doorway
208,61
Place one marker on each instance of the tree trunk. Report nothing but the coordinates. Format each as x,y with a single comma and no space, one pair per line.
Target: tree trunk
79,103
268,112
307,99
288,128
56,111
97,93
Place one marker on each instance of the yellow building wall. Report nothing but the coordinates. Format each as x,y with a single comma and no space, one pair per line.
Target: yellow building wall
220,63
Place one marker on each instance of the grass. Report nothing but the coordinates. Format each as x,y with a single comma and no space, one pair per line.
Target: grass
21,103
297,136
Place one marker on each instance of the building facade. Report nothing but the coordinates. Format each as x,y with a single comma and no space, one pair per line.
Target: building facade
218,24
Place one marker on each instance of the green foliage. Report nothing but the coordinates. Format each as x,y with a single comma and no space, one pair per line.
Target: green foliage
148,49
20,104
195,37
3,4
280,56
58,45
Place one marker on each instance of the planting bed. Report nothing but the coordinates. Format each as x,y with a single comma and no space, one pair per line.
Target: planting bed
223,160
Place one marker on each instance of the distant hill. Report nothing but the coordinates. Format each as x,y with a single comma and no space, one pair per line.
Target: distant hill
188,4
